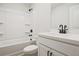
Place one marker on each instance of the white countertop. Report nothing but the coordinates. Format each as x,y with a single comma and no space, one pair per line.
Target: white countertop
68,38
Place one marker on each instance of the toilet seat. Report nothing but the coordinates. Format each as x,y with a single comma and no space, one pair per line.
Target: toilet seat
30,49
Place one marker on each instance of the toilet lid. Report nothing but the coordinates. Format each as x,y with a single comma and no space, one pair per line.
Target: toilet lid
30,49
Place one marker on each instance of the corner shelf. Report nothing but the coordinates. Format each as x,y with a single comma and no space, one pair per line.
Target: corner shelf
27,32
27,24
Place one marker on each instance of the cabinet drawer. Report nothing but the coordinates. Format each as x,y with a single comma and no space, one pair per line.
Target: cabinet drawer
64,48
55,53
46,51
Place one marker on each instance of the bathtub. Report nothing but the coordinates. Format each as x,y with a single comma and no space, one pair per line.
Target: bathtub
13,47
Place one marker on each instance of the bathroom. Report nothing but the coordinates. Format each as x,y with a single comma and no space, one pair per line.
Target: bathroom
39,29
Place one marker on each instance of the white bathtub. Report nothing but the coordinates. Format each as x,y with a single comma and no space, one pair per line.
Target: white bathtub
13,47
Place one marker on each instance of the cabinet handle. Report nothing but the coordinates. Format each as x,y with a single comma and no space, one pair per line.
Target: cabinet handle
51,54
48,53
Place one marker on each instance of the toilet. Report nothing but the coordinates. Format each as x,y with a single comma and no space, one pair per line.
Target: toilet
31,50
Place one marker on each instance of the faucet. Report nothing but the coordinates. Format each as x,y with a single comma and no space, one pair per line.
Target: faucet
30,35
63,29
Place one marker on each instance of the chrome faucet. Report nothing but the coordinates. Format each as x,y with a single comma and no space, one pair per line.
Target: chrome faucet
30,35
63,29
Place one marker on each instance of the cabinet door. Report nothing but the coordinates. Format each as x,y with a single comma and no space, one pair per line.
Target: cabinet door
43,50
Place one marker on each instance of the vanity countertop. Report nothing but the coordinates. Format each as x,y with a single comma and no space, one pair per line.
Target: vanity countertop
67,38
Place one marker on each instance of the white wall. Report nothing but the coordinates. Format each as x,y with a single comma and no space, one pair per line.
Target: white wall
74,16
14,20
15,16
41,17
66,14
60,15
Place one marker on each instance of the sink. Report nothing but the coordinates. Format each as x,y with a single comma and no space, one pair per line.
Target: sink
73,34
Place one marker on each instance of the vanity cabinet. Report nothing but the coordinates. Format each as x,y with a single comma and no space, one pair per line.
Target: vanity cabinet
52,46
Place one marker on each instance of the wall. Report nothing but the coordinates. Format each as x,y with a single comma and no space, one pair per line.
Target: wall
17,20
66,14
14,19
74,16
60,15
41,17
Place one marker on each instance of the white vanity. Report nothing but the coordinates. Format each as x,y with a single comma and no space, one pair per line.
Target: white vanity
55,44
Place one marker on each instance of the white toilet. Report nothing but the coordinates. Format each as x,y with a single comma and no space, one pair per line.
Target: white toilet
31,50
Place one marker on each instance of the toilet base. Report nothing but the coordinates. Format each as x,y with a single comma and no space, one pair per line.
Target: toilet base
35,54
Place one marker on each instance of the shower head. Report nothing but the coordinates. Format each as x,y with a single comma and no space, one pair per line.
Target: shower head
30,9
